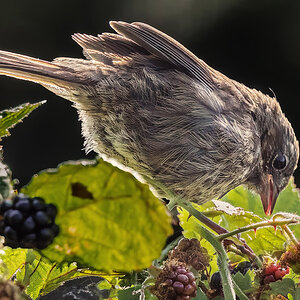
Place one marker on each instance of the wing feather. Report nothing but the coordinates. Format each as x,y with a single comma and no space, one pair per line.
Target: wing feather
165,47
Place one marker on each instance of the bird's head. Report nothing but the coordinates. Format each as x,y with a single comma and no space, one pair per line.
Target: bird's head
278,156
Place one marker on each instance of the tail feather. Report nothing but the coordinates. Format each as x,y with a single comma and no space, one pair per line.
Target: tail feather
36,70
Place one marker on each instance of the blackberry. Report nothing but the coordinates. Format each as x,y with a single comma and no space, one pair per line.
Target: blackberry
13,218
5,205
38,204
215,281
42,219
242,267
28,222
175,282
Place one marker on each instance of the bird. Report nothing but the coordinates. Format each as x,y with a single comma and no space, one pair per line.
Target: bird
152,107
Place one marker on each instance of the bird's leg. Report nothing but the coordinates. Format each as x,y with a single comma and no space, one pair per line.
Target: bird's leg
202,218
174,200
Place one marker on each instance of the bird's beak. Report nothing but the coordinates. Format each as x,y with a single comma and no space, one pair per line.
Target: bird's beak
268,194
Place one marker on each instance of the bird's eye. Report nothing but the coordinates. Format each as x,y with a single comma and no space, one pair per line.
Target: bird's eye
279,162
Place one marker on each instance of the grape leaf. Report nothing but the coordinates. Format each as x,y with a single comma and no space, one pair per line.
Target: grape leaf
108,220
10,117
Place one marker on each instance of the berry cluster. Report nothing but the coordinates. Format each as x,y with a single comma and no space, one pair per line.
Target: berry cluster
183,283
274,272
175,282
28,222
291,258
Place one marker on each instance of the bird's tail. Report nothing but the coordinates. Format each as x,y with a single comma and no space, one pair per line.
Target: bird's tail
57,78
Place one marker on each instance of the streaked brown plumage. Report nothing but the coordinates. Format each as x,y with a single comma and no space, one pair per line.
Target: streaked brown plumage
149,104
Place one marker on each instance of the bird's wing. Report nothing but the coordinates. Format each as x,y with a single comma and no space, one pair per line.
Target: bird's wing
162,45
107,46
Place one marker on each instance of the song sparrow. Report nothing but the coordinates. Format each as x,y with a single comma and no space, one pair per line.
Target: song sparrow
149,104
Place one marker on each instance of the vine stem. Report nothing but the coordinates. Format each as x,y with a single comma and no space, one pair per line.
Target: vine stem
229,286
255,226
290,234
222,259
220,230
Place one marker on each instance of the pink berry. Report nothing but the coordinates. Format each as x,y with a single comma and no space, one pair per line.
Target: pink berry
178,287
188,290
191,276
181,270
271,269
280,273
169,282
268,279
183,278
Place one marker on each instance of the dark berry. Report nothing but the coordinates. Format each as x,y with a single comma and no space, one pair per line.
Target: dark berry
23,205
268,279
2,227
51,211
13,217
46,235
215,281
29,240
55,229
5,205
42,219
11,243
38,203
41,245
242,267
28,224
10,233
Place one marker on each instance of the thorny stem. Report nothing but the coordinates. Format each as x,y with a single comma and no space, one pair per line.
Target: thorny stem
290,234
245,249
255,226
231,248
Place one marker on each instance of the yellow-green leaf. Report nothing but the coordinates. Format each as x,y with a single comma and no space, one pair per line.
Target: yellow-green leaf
108,220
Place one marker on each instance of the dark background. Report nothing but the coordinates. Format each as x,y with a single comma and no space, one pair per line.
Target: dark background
254,42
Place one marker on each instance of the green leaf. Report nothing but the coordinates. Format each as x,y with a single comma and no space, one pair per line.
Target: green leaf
243,281
129,293
288,201
283,287
11,260
297,294
37,274
108,220
10,117
263,240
